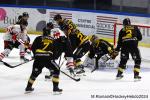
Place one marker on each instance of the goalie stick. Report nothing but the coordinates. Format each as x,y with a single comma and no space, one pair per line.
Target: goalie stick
96,66
13,66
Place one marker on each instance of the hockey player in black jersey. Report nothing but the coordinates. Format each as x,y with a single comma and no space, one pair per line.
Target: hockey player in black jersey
128,39
75,37
71,31
46,50
56,33
82,49
99,48
47,31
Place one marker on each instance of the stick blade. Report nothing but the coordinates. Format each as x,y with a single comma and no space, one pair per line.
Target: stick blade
6,64
77,79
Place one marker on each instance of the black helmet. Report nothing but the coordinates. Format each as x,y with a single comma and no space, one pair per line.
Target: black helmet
57,17
126,21
50,25
47,31
23,22
25,14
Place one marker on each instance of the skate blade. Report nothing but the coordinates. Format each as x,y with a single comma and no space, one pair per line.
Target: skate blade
137,80
28,92
119,78
47,79
57,93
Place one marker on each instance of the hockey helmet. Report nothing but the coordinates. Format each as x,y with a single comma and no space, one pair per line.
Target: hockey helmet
57,17
126,21
25,14
47,29
50,25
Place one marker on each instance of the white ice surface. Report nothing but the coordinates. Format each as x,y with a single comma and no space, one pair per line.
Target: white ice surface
13,82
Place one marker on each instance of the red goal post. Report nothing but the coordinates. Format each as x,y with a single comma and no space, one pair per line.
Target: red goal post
145,30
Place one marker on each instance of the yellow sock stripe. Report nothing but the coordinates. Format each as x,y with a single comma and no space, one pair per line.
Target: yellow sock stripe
120,69
31,81
54,79
136,69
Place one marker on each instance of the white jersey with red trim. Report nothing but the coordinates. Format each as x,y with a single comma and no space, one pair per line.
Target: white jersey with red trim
57,33
14,33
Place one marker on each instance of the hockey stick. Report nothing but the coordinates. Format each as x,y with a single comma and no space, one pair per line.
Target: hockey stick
11,66
78,79
6,64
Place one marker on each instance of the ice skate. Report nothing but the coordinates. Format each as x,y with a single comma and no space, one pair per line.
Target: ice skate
57,91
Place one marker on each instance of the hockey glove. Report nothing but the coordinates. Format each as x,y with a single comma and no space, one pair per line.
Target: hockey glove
26,44
114,54
14,38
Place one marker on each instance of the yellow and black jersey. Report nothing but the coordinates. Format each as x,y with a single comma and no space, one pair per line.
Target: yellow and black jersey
70,29
43,48
100,47
48,48
77,40
67,26
129,35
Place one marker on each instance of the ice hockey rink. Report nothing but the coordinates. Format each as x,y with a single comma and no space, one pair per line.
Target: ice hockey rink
99,85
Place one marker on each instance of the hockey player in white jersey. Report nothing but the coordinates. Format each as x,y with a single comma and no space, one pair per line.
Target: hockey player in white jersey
57,33
15,37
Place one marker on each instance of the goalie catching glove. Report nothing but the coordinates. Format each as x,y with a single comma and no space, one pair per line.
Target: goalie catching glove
113,54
